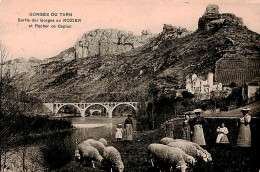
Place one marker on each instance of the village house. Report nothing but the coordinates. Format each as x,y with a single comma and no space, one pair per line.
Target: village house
250,89
197,85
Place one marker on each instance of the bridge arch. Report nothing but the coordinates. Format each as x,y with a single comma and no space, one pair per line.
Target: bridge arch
66,104
124,103
93,104
94,111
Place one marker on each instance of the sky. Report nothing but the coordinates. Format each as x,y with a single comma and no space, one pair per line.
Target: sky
129,15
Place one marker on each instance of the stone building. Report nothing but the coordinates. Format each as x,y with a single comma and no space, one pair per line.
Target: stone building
196,84
250,89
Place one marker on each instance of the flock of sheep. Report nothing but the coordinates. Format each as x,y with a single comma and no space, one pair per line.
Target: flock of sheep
170,153
176,153
92,150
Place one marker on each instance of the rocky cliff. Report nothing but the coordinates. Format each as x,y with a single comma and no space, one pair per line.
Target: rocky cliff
164,60
101,42
212,20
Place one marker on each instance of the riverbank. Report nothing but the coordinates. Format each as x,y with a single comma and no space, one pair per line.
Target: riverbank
225,158
25,142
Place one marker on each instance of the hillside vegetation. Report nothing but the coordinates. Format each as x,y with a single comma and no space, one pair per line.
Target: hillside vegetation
165,61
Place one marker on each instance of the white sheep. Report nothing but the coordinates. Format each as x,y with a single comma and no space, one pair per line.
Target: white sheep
166,140
188,158
208,155
88,153
192,149
112,159
103,141
169,155
87,141
96,144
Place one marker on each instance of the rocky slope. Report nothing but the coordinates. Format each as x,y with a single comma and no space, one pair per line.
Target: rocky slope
22,66
164,60
102,42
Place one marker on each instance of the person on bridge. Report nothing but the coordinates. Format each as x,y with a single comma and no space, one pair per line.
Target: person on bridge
128,128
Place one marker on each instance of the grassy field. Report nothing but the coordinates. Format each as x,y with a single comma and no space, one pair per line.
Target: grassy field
225,158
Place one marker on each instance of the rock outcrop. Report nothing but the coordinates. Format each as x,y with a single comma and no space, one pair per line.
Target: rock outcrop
175,32
102,42
221,45
212,20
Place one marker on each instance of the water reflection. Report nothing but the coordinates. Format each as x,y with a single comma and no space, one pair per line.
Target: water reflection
96,127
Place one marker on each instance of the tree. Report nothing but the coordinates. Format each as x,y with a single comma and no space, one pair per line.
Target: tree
153,94
236,97
233,85
9,104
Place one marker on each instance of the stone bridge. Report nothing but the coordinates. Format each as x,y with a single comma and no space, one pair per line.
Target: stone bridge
82,107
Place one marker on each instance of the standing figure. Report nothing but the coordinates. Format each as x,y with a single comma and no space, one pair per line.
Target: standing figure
128,128
244,137
198,134
186,128
222,134
163,130
169,128
119,133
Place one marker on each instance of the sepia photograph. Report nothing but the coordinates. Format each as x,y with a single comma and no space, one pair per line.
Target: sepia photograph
129,85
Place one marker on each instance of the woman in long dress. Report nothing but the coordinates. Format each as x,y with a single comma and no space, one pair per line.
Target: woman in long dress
244,137
222,134
198,134
186,128
128,128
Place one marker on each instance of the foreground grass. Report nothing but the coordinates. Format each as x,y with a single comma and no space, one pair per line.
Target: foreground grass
227,158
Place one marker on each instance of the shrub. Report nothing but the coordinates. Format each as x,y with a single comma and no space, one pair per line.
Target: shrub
58,150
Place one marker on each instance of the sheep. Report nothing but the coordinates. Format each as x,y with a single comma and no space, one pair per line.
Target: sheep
112,158
208,155
96,144
169,155
166,140
87,141
188,158
88,153
192,149
103,141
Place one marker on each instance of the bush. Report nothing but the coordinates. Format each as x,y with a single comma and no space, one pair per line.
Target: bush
61,79
58,150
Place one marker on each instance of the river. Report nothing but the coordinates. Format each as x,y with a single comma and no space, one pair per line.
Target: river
96,127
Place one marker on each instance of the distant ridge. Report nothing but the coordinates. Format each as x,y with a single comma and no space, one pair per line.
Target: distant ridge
221,40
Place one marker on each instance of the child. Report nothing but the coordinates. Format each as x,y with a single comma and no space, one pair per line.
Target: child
119,133
222,134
